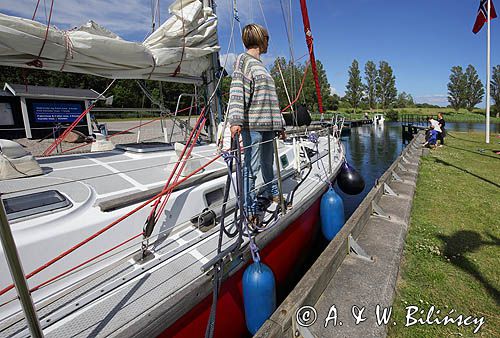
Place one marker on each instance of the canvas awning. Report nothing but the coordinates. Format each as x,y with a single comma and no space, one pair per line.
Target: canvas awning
178,51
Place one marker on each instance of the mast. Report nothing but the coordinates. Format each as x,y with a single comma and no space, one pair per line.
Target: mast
309,41
212,85
488,76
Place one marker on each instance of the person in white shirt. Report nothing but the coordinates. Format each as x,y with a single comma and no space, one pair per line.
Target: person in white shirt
434,123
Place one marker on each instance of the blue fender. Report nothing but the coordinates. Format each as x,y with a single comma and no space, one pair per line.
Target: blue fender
332,214
259,295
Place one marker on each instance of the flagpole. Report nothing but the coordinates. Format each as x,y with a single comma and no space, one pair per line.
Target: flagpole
488,81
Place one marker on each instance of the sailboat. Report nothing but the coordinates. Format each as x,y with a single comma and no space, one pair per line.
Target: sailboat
108,248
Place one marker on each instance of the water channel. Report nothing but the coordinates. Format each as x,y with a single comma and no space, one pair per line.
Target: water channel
371,149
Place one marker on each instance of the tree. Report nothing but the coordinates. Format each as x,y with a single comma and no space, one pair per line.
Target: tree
371,76
457,95
474,89
294,73
404,100
495,89
126,92
386,85
280,63
354,87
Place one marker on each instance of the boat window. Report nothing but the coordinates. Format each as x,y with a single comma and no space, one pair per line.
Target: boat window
284,161
214,196
36,203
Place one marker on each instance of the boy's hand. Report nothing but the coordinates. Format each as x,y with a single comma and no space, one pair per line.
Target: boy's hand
283,135
235,129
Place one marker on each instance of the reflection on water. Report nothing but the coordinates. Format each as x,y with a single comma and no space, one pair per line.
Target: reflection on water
372,149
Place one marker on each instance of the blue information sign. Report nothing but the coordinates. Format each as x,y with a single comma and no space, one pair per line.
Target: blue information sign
56,112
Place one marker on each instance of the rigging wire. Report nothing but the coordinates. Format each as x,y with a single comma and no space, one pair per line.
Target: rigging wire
292,56
59,140
166,191
263,15
109,226
97,261
286,89
37,62
36,9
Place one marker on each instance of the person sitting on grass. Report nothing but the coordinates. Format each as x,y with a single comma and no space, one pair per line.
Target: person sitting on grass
432,140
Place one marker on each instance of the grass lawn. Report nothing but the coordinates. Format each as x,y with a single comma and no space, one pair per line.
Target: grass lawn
452,253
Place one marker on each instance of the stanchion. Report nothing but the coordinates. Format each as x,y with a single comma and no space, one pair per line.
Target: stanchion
17,273
278,168
329,152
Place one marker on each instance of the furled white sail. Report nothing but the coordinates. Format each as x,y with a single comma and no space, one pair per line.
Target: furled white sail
177,51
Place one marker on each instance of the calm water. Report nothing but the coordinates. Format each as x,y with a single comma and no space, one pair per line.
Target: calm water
372,149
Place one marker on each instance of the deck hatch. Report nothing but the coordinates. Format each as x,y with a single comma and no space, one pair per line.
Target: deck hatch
36,203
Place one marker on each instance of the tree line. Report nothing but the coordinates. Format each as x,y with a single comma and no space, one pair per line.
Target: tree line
465,89
126,93
379,89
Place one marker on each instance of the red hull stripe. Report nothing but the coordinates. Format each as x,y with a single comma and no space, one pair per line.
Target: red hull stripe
281,255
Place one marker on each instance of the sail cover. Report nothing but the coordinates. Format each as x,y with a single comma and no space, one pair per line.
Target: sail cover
177,51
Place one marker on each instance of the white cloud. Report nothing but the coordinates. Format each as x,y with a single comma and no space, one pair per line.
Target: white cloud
438,99
228,60
123,17
268,59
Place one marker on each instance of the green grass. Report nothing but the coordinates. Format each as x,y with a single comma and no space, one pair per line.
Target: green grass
452,253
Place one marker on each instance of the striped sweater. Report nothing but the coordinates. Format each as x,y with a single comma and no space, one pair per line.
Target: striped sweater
253,102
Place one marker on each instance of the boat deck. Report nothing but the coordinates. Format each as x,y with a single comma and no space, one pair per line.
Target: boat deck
108,303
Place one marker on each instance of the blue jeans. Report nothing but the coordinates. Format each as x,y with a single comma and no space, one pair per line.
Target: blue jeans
259,155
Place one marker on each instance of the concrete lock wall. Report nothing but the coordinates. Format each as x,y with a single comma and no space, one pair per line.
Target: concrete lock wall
378,226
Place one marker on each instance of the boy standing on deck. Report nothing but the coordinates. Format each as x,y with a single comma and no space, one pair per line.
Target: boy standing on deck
254,112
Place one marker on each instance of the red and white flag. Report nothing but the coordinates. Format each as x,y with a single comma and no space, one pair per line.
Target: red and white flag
482,14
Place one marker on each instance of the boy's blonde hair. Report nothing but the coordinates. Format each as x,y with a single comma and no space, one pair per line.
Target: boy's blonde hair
255,36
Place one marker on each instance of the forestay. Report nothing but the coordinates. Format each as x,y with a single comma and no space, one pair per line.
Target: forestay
177,51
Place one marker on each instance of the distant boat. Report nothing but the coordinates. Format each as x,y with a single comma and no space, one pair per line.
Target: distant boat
378,119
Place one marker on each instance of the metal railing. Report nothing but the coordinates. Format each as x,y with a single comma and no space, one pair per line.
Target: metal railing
413,120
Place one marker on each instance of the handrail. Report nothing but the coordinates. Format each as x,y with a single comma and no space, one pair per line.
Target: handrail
112,224
16,270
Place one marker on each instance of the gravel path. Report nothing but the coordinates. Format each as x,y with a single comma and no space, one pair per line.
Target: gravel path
149,132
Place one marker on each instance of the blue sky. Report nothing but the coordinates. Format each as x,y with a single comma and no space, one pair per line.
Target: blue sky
421,39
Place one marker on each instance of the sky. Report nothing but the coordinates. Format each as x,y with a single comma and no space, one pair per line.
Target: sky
421,39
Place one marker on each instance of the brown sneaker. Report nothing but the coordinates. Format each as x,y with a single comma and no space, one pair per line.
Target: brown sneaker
253,219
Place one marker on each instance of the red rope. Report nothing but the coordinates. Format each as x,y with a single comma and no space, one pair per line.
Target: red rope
37,62
190,138
84,263
112,224
143,124
300,89
193,143
121,132
58,141
36,8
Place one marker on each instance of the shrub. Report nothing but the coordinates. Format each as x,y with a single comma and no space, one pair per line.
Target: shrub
392,115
